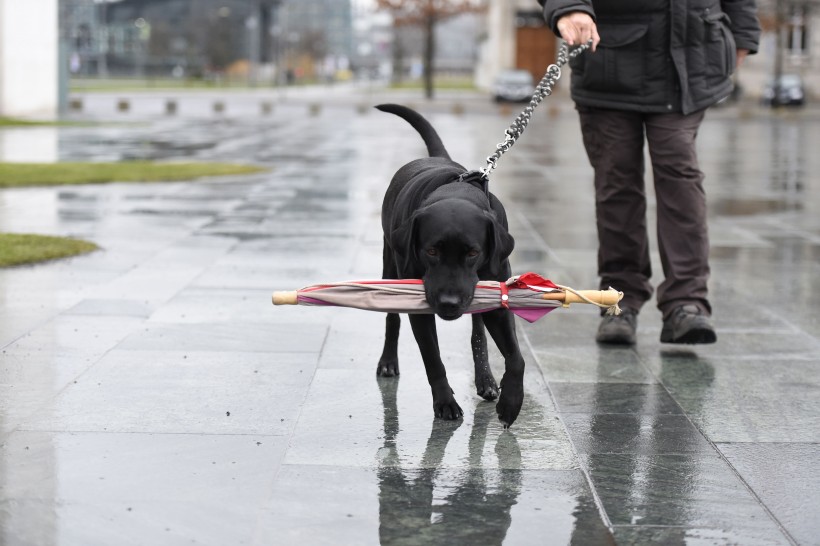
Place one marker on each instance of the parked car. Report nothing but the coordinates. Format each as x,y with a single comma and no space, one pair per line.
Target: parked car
513,86
788,91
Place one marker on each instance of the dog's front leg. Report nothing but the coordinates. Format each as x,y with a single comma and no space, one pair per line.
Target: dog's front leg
502,329
424,330
485,385
389,362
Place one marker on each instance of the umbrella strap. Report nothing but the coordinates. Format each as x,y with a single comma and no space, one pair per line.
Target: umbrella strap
505,295
610,309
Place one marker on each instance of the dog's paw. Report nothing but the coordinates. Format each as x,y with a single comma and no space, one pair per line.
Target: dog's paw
449,410
388,367
486,388
510,402
444,404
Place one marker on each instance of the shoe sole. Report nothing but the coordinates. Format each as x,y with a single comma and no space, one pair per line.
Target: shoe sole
695,336
615,340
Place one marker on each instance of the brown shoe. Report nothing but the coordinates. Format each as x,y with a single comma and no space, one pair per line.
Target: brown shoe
618,329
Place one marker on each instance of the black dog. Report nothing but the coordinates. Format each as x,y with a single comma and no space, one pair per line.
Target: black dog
443,226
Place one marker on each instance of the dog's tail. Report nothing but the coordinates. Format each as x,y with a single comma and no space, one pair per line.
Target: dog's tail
435,147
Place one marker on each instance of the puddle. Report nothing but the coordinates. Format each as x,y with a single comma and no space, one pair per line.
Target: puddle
77,197
29,145
182,146
79,216
173,212
239,236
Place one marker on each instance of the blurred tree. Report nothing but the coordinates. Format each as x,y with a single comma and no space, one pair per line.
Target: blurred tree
218,48
426,14
161,36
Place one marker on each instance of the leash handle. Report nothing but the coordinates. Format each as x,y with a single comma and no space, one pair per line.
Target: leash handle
543,89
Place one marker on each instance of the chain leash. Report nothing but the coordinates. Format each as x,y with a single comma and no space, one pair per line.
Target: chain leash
543,89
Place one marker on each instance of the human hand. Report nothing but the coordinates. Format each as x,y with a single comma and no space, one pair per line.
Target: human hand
741,54
578,27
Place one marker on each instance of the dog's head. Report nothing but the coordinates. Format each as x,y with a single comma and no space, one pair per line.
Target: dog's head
450,244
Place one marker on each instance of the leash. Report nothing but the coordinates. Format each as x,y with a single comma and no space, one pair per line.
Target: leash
543,89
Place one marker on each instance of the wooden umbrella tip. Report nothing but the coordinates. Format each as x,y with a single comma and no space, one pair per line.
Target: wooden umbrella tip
286,297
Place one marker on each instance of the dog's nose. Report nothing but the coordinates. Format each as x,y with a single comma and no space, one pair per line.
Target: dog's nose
449,305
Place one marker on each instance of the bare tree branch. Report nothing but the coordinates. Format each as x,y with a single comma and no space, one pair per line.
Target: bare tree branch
427,13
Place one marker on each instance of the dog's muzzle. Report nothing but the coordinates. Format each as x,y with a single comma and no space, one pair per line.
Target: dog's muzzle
450,306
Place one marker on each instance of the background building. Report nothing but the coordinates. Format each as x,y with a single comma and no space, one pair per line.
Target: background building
517,37
28,58
790,44
372,41
207,38
316,37
276,40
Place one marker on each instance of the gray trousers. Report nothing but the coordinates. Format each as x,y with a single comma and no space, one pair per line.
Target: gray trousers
614,141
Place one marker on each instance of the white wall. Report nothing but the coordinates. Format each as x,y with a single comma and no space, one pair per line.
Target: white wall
498,50
28,58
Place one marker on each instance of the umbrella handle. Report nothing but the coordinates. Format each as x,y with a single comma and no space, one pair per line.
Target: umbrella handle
605,298
287,297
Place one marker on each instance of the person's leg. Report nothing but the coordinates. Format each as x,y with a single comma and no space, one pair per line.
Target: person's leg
614,143
683,239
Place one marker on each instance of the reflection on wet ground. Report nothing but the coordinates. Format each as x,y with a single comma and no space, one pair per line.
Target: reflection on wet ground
150,390
781,175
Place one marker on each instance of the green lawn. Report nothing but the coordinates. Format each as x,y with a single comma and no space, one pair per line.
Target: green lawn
14,122
81,85
16,175
18,249
443,83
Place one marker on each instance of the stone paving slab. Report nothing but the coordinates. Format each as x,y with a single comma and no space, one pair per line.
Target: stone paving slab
150,394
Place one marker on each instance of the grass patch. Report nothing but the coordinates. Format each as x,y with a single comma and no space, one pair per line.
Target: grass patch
19,249
14,122
17,175
440,84
91,85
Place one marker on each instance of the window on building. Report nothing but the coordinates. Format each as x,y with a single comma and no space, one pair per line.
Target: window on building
797,32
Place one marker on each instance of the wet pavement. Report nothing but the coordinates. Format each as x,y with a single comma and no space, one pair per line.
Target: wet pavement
151,394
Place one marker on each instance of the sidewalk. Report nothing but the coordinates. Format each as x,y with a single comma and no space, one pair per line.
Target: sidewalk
150,394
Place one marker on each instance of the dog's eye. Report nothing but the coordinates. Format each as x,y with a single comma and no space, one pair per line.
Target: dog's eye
472,254
432,252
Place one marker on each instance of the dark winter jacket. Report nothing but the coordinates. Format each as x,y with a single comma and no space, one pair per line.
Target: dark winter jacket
659,55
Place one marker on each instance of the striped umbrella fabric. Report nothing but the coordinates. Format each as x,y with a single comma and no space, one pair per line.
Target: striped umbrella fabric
529,296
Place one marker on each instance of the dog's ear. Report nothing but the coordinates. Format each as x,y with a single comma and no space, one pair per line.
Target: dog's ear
500,245
403,243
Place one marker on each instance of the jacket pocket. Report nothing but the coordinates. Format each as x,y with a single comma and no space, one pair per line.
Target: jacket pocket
618,66
720,49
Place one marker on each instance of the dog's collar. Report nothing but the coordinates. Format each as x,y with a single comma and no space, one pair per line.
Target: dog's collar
477,179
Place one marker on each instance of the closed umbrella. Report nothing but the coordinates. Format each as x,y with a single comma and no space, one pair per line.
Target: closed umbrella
529,296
